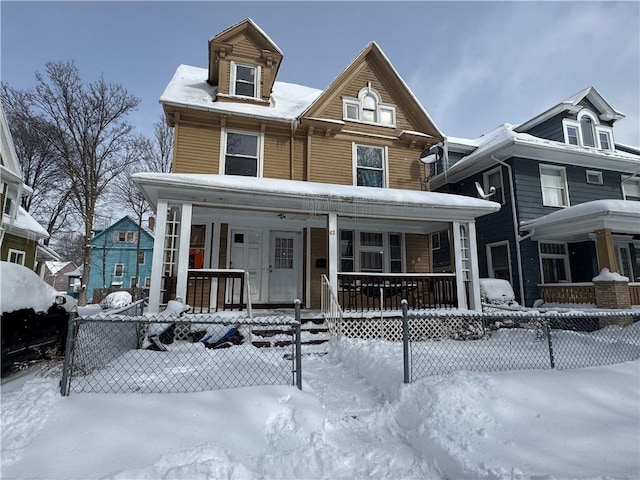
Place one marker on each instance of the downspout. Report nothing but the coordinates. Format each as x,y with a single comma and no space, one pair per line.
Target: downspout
514,217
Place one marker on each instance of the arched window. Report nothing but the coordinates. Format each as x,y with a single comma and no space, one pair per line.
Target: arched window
588,136
369,108
587,131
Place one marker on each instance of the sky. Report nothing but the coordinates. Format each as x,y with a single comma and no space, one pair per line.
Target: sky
472,65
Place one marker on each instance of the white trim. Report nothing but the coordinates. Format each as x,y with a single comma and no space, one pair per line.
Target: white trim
256,83
594,173
307,300
487,187
158,255
561,256
184,240
629,180
18,253
380,106
490,270
115,270
474,269
457,248
334,251
259,149
597,130
385,163
564,188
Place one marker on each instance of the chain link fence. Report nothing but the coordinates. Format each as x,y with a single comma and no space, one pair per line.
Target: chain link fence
119,353
441,342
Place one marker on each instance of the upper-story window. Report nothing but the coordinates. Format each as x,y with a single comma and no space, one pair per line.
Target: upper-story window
245,80
16,256
586,131
369,166
493,178
555,192
368,108
241,153
7,206
631,188
125,237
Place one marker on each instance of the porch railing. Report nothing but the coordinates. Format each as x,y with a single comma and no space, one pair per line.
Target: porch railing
568,293
384,291
212,290
330,306
634,293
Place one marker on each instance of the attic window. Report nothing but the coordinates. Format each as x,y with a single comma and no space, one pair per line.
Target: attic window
368,108
586,131
244,80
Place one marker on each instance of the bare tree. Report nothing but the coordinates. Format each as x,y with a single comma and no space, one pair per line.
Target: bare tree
91,137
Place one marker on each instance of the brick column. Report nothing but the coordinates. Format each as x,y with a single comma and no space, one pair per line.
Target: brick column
612,290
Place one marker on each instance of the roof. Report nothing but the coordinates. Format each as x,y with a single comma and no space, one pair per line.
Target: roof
118,222
310,197
605,110
576,222
54,267
189,89
26,226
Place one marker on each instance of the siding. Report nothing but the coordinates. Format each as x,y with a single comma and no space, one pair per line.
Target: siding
319,250
196,149
18,243
550,129
418,253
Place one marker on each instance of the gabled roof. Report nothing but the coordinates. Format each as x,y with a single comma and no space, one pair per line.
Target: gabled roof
115,225
372,51
605,111
10,164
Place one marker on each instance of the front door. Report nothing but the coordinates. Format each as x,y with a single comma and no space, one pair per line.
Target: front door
246,254
284,266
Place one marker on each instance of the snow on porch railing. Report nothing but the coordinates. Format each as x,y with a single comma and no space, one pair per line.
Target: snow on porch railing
330,306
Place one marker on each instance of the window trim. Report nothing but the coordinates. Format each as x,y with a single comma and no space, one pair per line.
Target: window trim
115,270
385,163
564,257
490,270
598,175
433,237
19,253
626,180
487,187
259,149
597,130
256,85
380,107
386,250
565,187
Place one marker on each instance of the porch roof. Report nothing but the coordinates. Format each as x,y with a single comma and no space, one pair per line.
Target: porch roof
575,223
229,191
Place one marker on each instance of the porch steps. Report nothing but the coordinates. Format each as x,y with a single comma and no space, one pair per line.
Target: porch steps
314,332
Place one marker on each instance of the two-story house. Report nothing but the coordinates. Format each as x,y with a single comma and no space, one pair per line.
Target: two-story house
299,186
116,251
569,197
19,231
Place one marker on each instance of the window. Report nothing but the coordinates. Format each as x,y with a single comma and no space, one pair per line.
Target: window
133,282
141,258
370,166
244,80
493,178
16,256
118,269
370,252
631,188
554,186
241,154
586,131
435,241
554,262
147,282
7,206
125,237
594,177
499,261
368,108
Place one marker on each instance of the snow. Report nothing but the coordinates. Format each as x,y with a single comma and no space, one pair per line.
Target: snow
606,276
497,291
22,288
354,418
27,223
116,300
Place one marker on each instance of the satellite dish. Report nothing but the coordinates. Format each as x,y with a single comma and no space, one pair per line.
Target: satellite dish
481,193
431,154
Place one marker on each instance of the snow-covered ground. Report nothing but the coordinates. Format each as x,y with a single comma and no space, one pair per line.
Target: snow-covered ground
353,419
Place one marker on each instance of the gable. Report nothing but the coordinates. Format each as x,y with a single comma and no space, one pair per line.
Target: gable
125,224
372,69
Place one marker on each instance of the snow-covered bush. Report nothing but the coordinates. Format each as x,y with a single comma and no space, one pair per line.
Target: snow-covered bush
494,291
116,300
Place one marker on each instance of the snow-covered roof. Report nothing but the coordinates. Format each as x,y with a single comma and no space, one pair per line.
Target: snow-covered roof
55,267
620,216
189,88
311,197
26,226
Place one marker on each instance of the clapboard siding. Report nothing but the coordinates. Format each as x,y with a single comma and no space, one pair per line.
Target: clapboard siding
550,129
418,253
196,149
319,251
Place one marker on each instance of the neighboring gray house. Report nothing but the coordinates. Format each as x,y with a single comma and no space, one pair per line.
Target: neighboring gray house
570,199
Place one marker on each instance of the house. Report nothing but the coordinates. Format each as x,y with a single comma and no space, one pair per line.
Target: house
309,191
569,195
55,274
19,231
116,251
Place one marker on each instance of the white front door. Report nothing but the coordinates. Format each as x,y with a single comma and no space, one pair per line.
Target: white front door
284,266
246,253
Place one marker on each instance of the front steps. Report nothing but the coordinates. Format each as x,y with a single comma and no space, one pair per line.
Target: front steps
313,332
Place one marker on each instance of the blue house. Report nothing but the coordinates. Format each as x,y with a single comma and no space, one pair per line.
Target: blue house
114,254
570,200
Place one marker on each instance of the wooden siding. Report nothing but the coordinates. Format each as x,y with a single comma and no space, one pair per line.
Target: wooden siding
319,250
196,148
18,243
550,129
418,253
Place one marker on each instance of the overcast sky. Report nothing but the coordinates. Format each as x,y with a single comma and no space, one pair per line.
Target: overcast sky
473,65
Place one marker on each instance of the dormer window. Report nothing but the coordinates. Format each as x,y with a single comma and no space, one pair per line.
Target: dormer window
586,131
244,80
368,108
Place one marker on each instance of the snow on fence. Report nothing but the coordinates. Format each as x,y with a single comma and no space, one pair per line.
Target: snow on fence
107,353
441,342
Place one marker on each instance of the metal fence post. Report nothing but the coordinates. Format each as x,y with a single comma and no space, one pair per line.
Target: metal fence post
65,383
405,340
547,328
298,345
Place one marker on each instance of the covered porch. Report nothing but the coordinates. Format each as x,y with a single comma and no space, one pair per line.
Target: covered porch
228,242
613,226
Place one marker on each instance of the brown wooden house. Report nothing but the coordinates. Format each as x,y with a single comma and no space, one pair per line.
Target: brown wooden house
300,192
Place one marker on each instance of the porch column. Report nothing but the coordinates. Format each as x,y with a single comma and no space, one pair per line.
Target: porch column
333,251
458,259
606,251
158,254
183,251
474,270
